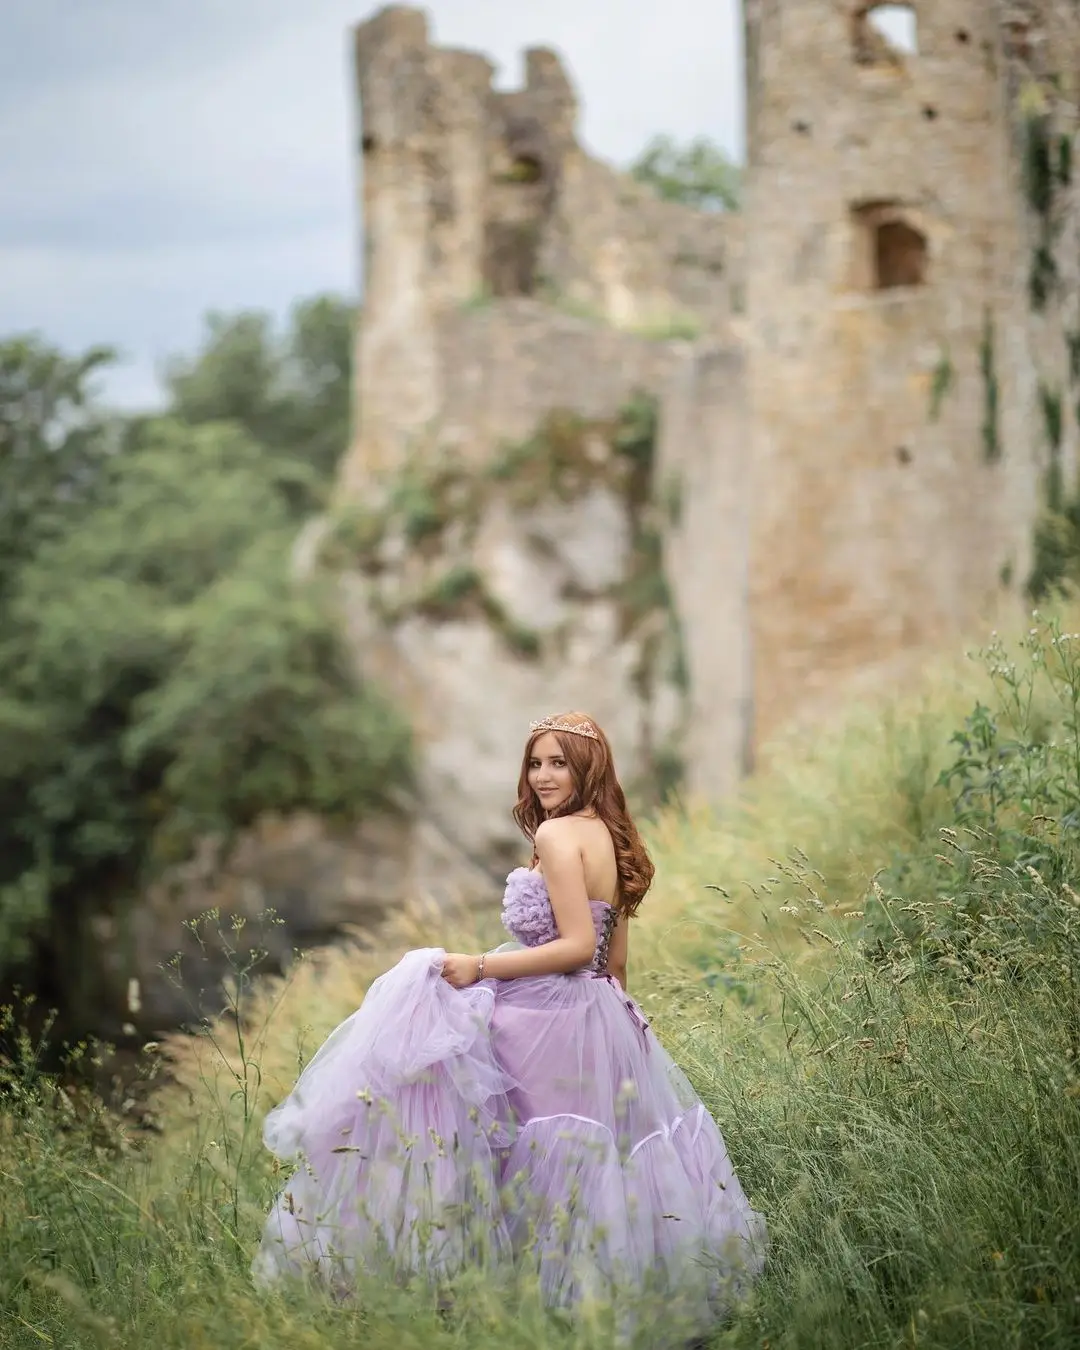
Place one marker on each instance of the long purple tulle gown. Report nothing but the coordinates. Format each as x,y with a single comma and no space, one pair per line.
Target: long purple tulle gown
532,1124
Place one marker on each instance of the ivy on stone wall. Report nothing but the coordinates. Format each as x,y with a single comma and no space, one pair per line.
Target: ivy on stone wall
1047,166
1050,403
991,432
940,384
459,591
414,543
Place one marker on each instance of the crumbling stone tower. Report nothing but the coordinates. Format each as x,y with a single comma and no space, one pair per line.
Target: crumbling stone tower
864,378
485,224
895,482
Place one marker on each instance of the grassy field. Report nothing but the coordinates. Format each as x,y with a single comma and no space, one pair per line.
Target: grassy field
881,1006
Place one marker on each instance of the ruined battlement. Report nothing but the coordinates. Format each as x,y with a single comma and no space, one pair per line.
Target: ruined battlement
474,197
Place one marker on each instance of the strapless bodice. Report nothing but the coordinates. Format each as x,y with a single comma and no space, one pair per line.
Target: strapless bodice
528,917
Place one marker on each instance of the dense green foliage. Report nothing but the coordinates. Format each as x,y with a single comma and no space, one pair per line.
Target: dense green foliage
162,672
52,444
899,1091
698,174
291,393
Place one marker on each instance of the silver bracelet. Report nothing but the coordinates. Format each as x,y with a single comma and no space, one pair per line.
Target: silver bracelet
480,967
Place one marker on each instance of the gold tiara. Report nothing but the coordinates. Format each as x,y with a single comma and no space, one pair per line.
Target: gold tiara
560,724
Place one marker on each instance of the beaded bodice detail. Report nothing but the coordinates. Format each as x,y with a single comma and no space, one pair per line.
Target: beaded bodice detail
528,917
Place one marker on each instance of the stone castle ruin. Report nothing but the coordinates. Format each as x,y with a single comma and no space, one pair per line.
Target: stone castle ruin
702,473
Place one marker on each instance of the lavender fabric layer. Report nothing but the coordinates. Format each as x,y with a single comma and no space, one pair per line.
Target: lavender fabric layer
533,1122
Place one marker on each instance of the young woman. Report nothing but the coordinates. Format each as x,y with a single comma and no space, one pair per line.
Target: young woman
513,1107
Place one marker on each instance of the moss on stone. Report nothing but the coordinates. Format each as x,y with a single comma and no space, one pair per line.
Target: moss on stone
1042,276
646,588
940,384
672,498
355,532
1072,342
449,593
673,327
1053,429
459,592
991,434
565,456
1038,164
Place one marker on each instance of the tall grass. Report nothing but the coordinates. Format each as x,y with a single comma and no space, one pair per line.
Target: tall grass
888,1031
852,795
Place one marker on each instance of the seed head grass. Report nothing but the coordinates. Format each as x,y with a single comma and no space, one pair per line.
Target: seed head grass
869,967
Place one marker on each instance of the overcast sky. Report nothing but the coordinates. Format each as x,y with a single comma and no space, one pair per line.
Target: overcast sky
160,158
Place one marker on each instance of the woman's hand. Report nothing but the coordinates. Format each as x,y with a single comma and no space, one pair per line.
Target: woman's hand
459,970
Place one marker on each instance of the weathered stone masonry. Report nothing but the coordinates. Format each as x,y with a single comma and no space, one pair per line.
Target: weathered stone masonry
851,377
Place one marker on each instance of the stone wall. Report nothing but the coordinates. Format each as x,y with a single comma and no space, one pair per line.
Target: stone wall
508,277
488,593
1041,66
509,363
703,476
895,477
863,381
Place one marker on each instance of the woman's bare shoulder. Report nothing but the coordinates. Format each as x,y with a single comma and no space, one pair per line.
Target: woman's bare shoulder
558,832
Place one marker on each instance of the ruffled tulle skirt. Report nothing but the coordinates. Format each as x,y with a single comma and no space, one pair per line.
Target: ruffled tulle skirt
533,1123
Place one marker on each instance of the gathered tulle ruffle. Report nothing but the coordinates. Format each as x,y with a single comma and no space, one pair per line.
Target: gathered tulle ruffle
395,1127
535,1122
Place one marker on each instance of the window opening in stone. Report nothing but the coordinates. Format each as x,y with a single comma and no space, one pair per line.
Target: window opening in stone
367,143
890,251
885,34
899,256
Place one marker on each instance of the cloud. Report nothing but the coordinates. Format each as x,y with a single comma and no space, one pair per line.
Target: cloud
152,285
163,159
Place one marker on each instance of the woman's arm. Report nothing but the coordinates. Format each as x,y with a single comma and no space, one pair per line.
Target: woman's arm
564,874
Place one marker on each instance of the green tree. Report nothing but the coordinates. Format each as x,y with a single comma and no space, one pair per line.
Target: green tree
697,174
54,442
290,391
164,675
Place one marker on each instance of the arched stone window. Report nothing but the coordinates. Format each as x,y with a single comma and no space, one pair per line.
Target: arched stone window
891,250
885,34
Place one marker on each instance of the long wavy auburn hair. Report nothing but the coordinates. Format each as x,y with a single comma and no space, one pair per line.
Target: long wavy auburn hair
596,786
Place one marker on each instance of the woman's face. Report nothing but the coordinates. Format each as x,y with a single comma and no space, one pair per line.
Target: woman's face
549,773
